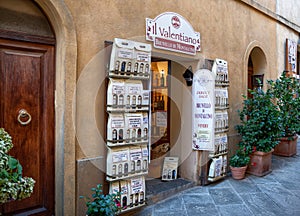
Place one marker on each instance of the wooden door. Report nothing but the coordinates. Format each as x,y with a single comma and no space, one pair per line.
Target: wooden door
250,75
27,82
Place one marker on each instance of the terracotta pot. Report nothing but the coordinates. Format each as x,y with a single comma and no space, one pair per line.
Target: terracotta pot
238,172
260,163
287,146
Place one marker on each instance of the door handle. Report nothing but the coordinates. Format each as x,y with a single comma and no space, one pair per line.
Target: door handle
24,114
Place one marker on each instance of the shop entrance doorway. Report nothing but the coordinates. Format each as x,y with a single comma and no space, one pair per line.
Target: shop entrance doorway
160,116
166,106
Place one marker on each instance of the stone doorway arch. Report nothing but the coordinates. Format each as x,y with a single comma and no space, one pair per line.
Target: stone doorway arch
255,65
66,64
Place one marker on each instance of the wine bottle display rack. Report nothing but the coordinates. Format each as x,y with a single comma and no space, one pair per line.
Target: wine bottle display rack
129,117
218,158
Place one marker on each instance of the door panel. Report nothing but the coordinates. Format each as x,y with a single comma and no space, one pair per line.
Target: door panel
27,82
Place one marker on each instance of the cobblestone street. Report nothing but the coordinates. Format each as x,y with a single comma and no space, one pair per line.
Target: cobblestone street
277,193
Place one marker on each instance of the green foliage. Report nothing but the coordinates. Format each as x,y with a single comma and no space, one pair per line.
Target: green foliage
12,185
286,91
100,204
260,125
240,158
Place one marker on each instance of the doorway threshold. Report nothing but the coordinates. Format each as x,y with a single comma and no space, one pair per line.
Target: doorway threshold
157,190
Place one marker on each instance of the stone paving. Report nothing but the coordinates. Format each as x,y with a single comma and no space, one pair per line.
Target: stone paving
277,193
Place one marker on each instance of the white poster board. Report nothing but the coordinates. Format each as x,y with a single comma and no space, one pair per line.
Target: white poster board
203,112
292,54
170,168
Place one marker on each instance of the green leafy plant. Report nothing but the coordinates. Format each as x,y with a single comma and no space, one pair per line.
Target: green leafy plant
12,185
240,158
286,91
260,125
101,204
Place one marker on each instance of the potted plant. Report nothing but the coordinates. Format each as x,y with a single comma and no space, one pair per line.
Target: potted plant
12,185
286,91
238,163
259,130
100,204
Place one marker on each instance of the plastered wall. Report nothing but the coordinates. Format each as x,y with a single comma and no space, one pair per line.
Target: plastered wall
226,27
229,30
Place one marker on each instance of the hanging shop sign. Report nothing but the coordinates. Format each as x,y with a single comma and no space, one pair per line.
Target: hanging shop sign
170,31
203,110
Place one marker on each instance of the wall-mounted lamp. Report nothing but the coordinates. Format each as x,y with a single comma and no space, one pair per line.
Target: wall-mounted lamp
188,76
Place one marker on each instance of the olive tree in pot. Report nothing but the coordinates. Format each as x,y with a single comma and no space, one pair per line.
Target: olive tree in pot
259,130
286,91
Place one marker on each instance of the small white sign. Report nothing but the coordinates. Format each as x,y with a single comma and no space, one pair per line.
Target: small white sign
161,119
126,54
144,57
117,121
136,185
170,168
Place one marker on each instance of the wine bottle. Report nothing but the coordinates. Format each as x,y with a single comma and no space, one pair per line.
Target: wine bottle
162,103
162,79
155,103
117,67
114,134
128,70
158,103
156,80
123,66
135,71
121,100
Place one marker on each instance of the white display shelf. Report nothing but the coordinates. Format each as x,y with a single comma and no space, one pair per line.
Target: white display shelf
129,75
128,175
220,154
129,109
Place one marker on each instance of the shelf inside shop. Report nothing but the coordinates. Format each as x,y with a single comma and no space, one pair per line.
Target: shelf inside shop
160,87
159,142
